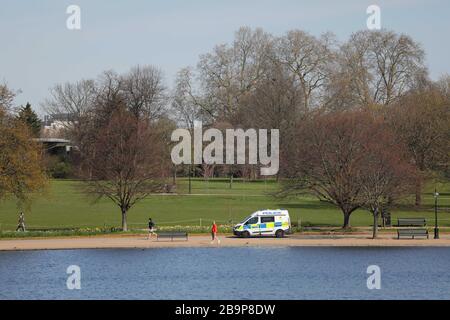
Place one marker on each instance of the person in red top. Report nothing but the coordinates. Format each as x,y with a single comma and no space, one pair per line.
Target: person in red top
214,232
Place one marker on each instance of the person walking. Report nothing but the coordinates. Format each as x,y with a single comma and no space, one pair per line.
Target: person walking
151,228
21,222
214,233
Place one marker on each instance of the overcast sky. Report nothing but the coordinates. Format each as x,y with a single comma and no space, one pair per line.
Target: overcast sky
38,51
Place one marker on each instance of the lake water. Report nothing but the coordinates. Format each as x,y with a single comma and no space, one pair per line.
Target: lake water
227,273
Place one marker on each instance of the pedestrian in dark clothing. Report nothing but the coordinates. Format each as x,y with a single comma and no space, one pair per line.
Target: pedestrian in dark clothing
151,228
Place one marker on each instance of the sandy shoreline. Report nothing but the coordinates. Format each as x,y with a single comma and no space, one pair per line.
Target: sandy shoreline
194,241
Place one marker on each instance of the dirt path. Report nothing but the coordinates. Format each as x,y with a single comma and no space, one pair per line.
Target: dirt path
204,241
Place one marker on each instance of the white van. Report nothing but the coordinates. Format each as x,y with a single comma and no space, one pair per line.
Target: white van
264,222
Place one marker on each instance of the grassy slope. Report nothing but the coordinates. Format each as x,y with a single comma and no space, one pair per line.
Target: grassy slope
66,206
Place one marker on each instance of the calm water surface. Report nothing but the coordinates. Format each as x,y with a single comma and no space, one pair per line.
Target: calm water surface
227,273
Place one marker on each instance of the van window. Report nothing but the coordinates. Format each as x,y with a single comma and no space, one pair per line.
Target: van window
267,219
246,218
253,220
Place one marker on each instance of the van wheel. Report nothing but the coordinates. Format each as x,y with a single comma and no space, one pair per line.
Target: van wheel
279,234
245,234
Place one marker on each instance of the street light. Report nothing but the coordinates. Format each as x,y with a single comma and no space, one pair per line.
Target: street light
436,229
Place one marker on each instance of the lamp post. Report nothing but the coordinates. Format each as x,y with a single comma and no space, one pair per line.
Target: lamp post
190,178
436,229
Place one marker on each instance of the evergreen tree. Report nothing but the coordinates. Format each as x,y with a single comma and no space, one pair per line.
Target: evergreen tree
31,119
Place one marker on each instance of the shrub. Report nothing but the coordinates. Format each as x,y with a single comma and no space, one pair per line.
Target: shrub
61,170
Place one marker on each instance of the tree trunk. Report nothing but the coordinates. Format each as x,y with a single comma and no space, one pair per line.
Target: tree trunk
124,220
190,178
346,220
174,177
375,224
418,193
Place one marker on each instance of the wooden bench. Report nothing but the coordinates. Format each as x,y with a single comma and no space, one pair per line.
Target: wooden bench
172,235
412,232
412,222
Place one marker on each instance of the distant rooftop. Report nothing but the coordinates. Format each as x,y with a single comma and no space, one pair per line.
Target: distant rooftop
52,140
64,117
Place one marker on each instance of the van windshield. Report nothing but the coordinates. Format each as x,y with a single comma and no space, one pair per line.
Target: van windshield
246,218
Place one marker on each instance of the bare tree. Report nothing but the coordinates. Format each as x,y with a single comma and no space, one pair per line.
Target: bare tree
144,91
274,103
185,106
126,163
381,65
230,72
443,85
74,99
141,88
6,97
421,120
325,161
308,59
387,174
109,97
337,157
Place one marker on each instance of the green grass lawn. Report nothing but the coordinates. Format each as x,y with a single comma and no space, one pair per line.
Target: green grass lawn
65,206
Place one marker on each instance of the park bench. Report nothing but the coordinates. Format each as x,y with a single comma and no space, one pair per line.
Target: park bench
412,222
412,232
172,235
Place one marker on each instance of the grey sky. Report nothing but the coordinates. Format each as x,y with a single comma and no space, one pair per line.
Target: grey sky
38,50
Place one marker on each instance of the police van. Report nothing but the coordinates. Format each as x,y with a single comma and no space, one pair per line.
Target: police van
264,222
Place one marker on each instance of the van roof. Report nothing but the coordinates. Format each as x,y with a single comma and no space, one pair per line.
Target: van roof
272,212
